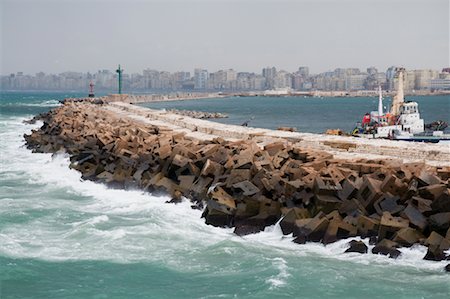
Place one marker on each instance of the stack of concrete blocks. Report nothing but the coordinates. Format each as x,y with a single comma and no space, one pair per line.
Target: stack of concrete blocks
240,184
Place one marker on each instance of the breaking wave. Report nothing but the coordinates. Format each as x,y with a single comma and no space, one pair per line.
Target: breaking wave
57,216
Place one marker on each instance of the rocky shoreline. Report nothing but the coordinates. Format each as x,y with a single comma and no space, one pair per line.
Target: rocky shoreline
198,114
313,195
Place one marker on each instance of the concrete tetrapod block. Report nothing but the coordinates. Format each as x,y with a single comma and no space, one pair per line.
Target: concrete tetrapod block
390,224
238,175
186,182
440,221
338,229
357,246
415,217
426,178
437,245
348,190
326,186
327,203
407,236
386,247
432,192
288,221
369,192
247,187
422,204
221,201
311,229
442,203
388,202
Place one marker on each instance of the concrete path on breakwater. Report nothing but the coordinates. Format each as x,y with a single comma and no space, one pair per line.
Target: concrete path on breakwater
340,146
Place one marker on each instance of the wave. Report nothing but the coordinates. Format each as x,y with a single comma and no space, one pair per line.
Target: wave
67,218
46,103
279,280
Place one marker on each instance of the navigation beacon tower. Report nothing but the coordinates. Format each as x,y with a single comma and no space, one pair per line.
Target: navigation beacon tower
91,90
120,71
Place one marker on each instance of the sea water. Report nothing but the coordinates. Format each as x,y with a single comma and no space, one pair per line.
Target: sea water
306,114
63,237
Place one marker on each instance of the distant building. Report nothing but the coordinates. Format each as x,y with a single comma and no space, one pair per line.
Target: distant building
200,79
355,82
269,73
440,84
303,71
372,70
390,75
423,78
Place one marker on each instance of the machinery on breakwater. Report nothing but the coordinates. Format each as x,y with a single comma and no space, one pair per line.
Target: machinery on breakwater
402,122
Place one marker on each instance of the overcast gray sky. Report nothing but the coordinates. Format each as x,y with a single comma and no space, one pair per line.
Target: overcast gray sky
56,36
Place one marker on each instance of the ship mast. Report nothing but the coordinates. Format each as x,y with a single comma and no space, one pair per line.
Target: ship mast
380,102
399,98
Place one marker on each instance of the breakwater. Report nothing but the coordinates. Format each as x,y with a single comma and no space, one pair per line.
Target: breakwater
251,178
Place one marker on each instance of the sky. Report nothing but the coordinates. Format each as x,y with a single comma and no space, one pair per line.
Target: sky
54,36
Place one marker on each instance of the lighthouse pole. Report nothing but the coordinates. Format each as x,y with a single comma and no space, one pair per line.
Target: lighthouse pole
120,71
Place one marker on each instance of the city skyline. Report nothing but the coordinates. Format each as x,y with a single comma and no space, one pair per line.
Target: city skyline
172,35
269,78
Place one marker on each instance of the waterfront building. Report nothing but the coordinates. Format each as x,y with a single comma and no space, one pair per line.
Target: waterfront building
440,84
355,82
423,78
200,79
269,74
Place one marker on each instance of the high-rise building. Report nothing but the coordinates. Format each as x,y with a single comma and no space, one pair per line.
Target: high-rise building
200,79
269,73
303,71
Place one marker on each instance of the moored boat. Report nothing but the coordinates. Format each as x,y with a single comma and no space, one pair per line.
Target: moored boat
402,122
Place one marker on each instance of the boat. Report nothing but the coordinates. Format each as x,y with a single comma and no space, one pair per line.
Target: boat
402,122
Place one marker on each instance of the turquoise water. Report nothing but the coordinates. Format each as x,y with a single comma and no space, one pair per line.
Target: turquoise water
314,115
62,237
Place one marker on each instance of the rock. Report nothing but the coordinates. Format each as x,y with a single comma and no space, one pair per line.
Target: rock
435,253
357,246
249,226
387,247
447,268
177,198
217,218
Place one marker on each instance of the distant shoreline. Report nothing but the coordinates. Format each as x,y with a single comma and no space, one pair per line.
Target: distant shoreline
197,95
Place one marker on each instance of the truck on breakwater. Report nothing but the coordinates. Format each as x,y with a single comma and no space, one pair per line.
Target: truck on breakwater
318,188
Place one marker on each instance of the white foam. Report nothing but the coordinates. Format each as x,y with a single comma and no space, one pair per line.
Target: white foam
89,221
280,279
410,257
46,103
